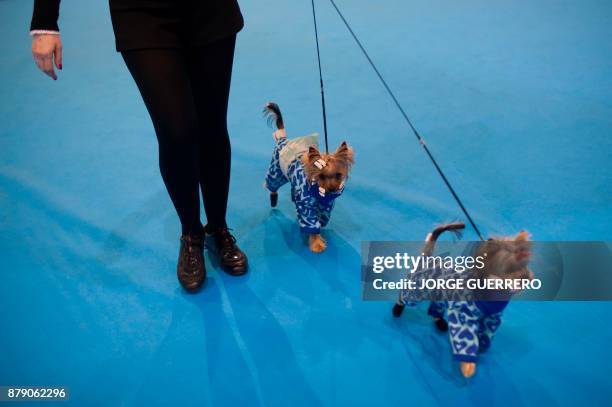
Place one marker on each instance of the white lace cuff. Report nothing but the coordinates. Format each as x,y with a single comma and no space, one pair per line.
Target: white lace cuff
53,32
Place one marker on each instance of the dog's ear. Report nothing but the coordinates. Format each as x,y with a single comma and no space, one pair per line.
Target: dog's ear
309,159
312,155
345,153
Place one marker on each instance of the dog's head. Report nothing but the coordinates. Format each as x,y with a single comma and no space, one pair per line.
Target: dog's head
330,171
507,257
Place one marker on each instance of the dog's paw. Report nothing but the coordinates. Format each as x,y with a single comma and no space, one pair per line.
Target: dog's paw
441,324
317,243
468,369
398,309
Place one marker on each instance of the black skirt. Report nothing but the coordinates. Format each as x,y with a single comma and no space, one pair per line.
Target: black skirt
141,24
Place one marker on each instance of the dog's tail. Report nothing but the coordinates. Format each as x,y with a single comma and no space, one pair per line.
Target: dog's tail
430,240
273,114
430,243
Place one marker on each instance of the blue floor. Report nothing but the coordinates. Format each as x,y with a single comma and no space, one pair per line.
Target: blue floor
514,98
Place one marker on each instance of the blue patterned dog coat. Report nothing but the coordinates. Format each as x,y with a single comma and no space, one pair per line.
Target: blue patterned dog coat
313,206
471,323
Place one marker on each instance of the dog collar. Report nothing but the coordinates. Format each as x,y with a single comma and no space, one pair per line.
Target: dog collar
323,196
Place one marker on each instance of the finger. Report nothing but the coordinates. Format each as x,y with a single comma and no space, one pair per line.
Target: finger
44,65
38,58
48,67
57,54
38,61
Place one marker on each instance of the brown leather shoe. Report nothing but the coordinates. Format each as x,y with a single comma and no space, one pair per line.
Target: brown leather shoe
190,269
222,245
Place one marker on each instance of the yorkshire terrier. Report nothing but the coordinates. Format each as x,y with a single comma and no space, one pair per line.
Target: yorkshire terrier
472,324
316,178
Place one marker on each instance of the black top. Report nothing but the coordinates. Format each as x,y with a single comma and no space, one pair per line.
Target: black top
157,23
45,15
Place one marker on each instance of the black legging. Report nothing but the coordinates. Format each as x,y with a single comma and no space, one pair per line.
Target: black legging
186,93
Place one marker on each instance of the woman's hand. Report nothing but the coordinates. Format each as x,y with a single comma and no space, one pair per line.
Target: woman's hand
47,49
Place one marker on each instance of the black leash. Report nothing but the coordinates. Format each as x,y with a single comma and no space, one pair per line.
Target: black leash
414,130
314,18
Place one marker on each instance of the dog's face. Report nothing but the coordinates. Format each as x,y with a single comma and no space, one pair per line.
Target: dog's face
507,257
329,170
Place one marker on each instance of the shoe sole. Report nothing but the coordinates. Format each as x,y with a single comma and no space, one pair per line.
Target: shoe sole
215,258
193,289
236,272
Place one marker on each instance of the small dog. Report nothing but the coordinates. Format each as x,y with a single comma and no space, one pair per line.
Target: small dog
473,323
316,179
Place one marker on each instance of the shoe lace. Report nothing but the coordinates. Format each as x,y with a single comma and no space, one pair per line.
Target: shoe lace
193,245
226,238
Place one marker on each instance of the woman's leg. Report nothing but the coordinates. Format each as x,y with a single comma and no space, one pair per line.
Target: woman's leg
163,81
161,76
210,69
